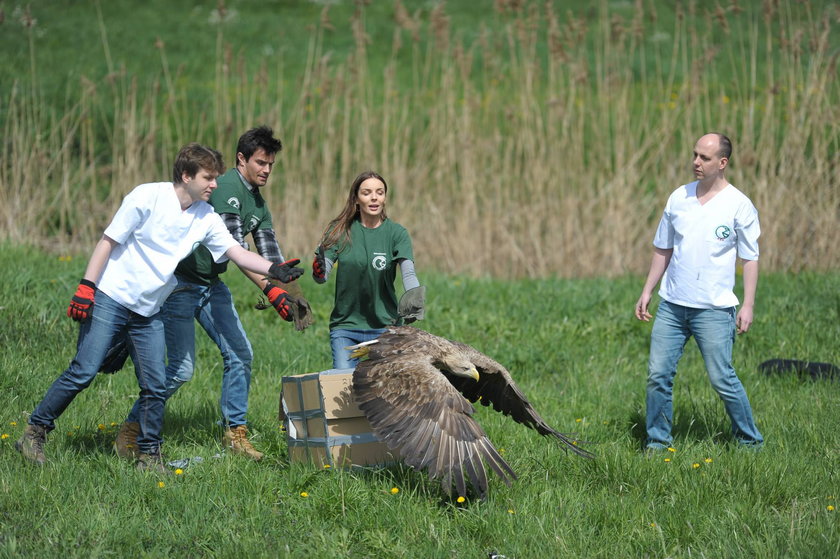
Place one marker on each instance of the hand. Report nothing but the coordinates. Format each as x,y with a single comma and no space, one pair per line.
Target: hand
319,266
280,299
285,271
642,312
412,305
81,305
744,319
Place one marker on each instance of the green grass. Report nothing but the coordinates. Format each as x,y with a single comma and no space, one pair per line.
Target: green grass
573,347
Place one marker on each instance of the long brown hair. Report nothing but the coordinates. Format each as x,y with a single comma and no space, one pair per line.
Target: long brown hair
338,231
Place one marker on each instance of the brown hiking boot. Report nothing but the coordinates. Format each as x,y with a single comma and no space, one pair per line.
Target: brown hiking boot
31,444
152,463
236,439
126,442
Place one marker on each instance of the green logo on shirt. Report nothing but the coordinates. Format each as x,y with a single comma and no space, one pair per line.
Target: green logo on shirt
379,261
722,232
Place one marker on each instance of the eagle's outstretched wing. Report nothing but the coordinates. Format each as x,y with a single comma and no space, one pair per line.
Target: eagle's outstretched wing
495,386
413,408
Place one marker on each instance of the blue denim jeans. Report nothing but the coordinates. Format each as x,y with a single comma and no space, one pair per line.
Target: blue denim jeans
212,306
340,339
109,321
714,331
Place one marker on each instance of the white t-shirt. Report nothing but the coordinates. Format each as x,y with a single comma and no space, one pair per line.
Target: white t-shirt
706,240
154,234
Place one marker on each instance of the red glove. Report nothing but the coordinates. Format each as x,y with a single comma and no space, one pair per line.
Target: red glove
280,299
81,305
319,266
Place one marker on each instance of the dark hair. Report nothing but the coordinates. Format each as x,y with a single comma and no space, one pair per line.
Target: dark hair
193,157
339,228
725,146
255,138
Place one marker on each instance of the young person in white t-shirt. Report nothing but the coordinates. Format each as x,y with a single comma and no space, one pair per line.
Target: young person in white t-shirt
706,225
129,275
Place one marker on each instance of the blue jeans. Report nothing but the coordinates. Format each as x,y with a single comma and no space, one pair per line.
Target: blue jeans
714,331
340,339
145,336
212,306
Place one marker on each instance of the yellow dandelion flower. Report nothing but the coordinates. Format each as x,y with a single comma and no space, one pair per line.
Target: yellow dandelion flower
578,420
161,484
113,424
4,436
460,499
726,99
326,466
829,508
304,494
671,449
708,460
502,450
510,511
179,471
395,490
101,426
653,524
667,459
13,423
695,465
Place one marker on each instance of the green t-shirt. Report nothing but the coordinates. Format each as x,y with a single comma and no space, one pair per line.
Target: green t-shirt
232,196
365,297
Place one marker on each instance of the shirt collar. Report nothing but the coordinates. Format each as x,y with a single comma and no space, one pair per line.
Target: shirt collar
247,184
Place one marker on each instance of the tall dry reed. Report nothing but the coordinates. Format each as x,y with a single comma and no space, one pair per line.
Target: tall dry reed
545,149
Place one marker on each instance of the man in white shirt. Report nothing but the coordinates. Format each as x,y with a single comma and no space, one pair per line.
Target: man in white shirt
156,226
705,226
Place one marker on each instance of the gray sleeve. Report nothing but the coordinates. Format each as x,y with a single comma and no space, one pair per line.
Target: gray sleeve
409,276
266,242
234,224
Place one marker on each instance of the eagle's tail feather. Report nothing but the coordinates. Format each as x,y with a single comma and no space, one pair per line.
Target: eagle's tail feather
360,350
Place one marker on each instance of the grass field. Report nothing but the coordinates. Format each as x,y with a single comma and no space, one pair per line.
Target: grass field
573,347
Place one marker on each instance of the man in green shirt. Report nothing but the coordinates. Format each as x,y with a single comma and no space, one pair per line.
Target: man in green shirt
202,295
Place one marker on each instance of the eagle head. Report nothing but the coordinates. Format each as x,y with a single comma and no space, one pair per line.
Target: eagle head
460,366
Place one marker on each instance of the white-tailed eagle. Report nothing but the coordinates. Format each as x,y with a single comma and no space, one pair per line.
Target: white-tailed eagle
415,388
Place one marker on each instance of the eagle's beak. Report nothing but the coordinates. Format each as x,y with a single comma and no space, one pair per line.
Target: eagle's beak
473,372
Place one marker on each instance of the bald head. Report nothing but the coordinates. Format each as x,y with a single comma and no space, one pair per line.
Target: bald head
723,143
711,156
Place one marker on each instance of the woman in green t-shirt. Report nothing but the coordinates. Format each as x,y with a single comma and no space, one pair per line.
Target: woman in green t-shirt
368,246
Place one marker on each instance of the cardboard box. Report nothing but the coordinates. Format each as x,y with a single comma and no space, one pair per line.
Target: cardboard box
324,426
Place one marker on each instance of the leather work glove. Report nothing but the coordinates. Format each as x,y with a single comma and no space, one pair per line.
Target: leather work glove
319,266
412,305
285,271
280,299
81,305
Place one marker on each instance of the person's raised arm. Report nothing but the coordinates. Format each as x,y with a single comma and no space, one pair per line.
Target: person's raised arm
284,271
